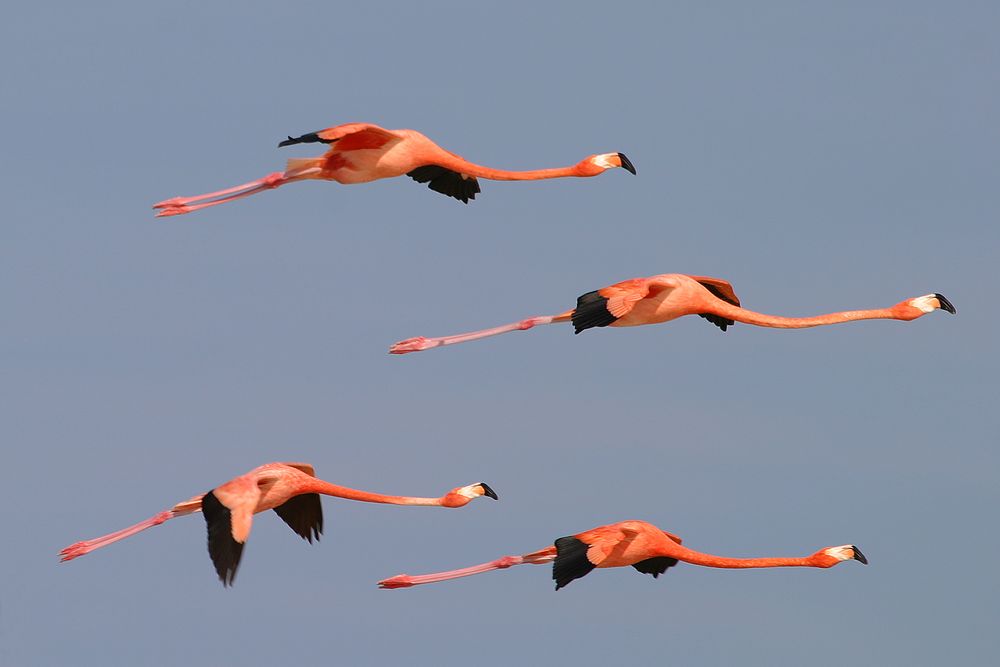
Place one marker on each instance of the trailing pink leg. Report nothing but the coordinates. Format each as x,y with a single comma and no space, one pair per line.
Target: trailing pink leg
406,580
421,343
188,208
184,201
85,547
181,205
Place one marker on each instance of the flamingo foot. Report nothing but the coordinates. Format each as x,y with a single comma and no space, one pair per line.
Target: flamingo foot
417,344
170,203
173,210
74,551
399,581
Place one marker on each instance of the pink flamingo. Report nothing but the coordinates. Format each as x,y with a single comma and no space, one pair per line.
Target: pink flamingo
637,543
671,295
290,489
362,152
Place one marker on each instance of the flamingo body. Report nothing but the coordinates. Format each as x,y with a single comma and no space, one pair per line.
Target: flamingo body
362,152
638,544
290,489
653,300
668,296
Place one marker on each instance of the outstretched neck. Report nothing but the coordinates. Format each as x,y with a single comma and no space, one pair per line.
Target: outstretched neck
463,166
709,560
314,485
719,307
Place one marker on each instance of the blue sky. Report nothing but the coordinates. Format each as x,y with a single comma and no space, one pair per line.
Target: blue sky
819,158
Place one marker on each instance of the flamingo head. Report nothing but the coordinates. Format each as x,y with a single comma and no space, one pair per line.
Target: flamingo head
930,302
911,309
464,494
834,555
598,164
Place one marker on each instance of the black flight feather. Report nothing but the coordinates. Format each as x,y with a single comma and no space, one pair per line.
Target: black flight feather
303,514
446,181
309,138
224,550
655,566
718,320
571,561
591,311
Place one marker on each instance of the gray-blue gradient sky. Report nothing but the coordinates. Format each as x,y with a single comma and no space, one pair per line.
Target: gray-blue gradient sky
819,158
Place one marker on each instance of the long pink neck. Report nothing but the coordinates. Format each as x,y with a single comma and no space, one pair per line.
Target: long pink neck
462,166
314,485
708,560
719,307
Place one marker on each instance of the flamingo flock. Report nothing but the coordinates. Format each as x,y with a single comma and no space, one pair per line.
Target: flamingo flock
363,152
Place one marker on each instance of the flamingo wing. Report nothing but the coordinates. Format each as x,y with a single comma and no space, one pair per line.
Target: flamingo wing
606,539
604,306
577,555
447,182
655,566
658,564
229,521
303,514
721,289
348,137
571,561
304,467
671,536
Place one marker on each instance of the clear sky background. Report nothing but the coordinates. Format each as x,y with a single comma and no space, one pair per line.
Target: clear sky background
819,158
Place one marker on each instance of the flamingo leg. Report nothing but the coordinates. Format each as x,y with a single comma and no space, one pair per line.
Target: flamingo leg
82,548
85,547
406,580
188,208
421,343
181,205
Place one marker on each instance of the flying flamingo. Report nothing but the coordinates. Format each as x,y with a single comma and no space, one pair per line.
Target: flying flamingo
290,489
362,152
637,543
671,295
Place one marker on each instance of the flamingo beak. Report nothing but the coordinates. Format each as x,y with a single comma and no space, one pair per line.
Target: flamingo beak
945,304
626,163
487,491
857,552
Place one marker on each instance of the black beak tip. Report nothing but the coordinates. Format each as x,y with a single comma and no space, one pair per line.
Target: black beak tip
945,304
859,556
287,142
626,163
488,491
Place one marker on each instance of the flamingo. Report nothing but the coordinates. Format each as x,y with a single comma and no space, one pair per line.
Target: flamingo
290,489
362,152
671,295
642,545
